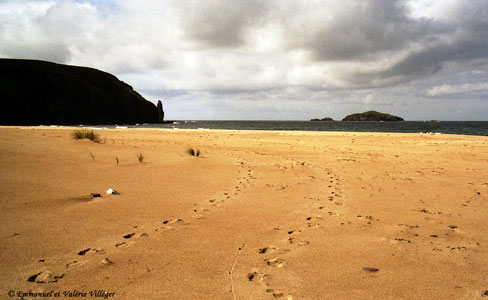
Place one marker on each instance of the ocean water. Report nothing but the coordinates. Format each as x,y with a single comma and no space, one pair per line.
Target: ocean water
451,127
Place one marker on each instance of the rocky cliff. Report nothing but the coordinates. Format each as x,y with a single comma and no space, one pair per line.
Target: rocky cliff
38,92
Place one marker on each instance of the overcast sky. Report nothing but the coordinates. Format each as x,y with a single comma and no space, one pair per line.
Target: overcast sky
270,59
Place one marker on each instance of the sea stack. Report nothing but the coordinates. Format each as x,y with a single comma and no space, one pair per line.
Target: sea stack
160,112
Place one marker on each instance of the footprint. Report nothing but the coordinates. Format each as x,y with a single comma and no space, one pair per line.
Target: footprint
276,262
250,276
313,218
172,221
269,249
83,252
128,236
278,294
257,276
403,240
44,277
164,228
369,269
298,242
74,263
294,232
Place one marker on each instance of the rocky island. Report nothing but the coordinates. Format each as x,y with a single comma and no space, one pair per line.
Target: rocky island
38,92
371,116
326,119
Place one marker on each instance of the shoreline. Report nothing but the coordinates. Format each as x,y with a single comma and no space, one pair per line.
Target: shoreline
250,131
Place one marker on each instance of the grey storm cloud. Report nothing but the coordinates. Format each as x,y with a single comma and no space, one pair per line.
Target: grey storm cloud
461,42
361,30
56,51
218,23
352,31
48,32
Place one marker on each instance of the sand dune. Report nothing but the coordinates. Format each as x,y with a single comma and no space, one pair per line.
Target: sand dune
260,215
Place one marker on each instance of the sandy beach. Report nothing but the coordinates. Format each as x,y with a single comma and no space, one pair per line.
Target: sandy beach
259,215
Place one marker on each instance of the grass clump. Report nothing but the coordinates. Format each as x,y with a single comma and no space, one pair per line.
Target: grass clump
86,134
140,157
77,135
193,152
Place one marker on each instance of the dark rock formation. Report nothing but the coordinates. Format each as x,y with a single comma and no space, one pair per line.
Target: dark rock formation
326,119
371,116
38,92
160,111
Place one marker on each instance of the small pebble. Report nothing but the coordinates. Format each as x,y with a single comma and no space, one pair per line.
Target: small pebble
112,192
452,226
95,195
106,261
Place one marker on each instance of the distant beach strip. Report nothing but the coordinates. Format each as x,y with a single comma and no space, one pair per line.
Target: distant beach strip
443,127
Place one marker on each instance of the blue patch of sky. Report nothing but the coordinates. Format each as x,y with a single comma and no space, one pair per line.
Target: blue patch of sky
105,7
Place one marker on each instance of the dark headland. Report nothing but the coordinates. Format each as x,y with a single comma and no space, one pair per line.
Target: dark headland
371,116
37,92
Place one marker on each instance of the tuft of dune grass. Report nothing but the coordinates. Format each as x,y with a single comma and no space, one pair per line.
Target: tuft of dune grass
193,152
86,134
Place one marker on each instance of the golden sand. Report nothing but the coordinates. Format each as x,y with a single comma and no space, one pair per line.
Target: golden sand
259,215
